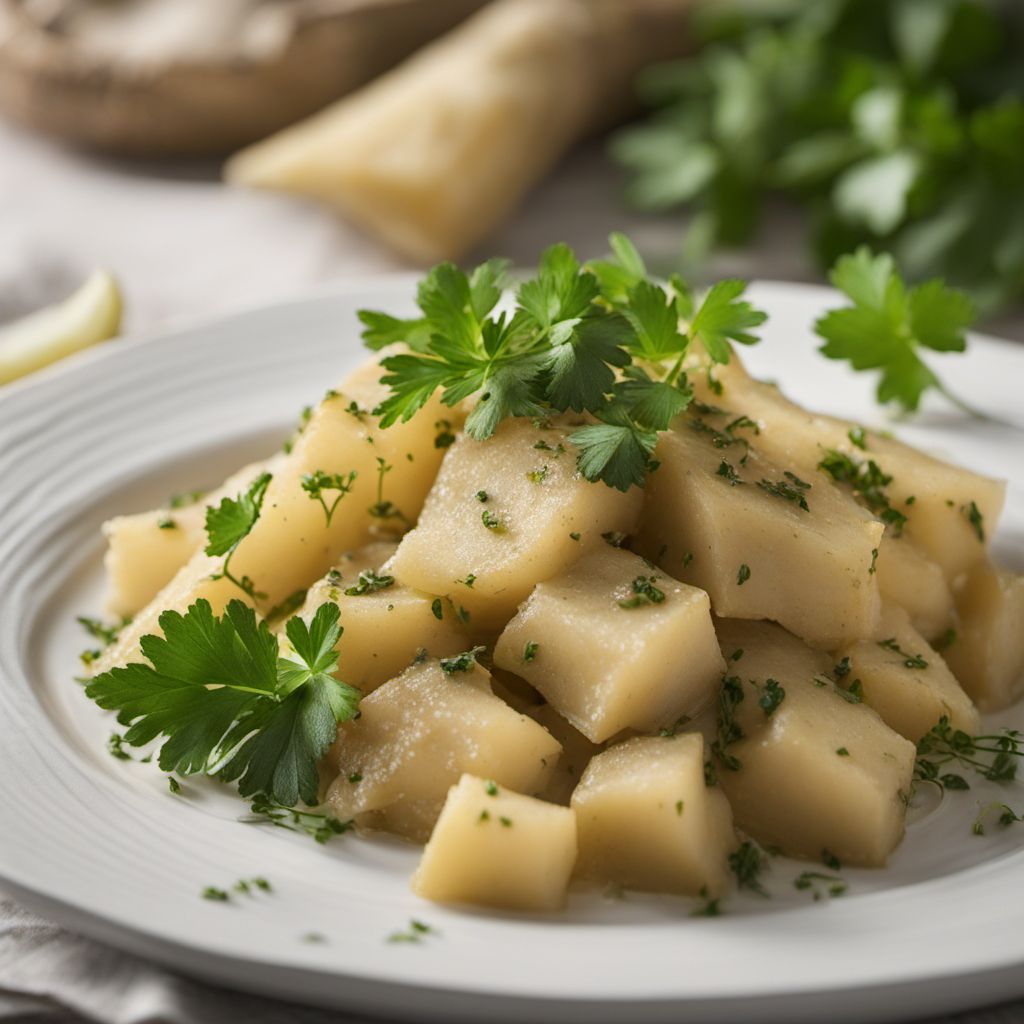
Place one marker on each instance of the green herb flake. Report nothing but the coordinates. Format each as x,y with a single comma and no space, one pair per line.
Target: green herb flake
530,651
464,662
743,574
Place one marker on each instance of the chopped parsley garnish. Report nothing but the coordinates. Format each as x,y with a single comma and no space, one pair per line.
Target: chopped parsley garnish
437,608
842,752
185,499
229,523
771,697
726,470
318,482
464,662
444,438
225,703
858,438
537,476
973,515
491,787
792,488
468,581
947,639
100,630
416,932
830,860
820,884
319,826
729,695
743,574
530,651
211,892
708,907
746,863
167,523
852,694
614,538
868,483
369,583
841,669
491,521
873,567
909,660
481,496
574,535
604,339
644,592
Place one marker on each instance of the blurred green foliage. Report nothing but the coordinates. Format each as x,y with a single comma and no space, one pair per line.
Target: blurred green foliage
899,123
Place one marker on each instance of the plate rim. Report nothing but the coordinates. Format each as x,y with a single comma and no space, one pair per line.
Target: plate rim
58,376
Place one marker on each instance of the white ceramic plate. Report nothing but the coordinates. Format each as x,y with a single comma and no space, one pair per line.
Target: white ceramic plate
103,845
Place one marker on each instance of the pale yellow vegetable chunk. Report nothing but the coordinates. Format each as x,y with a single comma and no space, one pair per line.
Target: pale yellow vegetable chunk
647,820
382,630
756,553
542,516
577,753
146,549
908,579
906,681
987,655
417,734
817,773
940,494
497,848
292,544
608,657
89,315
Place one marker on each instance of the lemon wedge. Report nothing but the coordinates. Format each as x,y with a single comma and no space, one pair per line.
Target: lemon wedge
90,315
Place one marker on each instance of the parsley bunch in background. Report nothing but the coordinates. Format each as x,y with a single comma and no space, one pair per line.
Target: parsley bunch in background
897,123
602,339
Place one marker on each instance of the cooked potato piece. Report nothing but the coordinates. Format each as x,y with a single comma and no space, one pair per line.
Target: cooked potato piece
506,513
906,681
815,773
292,544
647,820
987,655
908,579
146,549
382,630
739,531
499,849
613,644
940,495
577,752
417,734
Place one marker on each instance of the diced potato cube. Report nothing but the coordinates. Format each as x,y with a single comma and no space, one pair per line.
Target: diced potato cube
577,752
813,772
497,848
908,579
940,495
906,681
417,734
382,630
613,644
987,655
647,820
731,522
506,513
292,544
146,549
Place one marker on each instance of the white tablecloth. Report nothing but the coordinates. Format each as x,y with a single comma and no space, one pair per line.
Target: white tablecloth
183,245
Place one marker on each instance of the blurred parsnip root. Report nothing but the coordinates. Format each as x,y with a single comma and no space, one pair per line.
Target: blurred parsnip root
434,155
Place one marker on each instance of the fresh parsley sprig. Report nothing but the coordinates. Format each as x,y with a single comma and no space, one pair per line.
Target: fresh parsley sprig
888,324
229,523
602,339
994,756
225,702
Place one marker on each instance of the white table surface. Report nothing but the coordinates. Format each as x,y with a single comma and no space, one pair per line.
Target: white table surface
183,245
